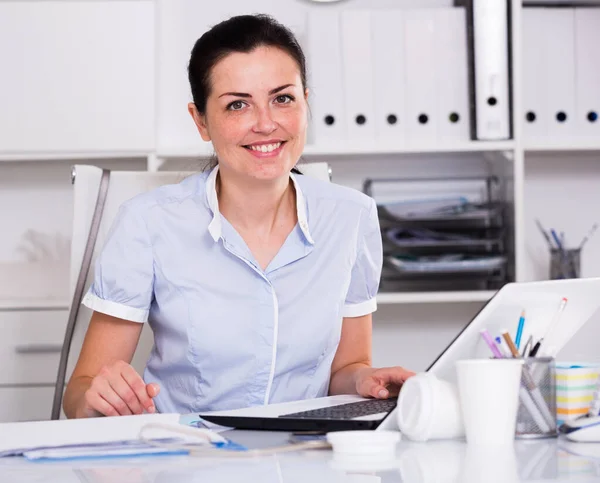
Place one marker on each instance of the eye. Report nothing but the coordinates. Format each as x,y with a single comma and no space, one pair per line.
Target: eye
235,105
284,99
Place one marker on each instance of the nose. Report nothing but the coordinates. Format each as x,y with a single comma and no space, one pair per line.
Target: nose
264,122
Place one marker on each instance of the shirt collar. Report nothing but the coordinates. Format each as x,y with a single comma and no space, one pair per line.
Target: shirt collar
214,227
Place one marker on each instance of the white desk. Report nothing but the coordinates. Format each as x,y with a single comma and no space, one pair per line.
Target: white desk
434,462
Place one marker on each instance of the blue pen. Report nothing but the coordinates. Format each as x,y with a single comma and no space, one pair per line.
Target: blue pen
556,239
520,330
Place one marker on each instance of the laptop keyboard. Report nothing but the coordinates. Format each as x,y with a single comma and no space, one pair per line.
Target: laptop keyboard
347,411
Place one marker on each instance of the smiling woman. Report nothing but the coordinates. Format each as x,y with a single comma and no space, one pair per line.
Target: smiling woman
258,284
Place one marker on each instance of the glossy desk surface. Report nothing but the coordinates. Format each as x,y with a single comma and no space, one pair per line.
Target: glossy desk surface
432,462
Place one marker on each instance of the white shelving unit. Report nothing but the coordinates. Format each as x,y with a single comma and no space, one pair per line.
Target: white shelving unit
508,157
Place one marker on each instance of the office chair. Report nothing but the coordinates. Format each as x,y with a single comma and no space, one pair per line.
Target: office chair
90,209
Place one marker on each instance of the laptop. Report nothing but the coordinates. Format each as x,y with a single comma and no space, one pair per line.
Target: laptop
350,412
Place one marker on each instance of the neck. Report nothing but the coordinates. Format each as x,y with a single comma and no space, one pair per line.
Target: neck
256,205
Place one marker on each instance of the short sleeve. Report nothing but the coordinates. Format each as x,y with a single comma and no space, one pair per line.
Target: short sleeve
123,283
366,272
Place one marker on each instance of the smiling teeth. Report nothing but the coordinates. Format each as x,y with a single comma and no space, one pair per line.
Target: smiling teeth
265,148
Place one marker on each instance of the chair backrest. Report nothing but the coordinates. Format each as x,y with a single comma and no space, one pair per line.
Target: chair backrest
124,185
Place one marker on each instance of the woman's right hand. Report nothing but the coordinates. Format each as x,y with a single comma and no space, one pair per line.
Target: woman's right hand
118,390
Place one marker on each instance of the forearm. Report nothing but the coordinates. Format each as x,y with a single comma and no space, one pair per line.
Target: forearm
343,381
74,396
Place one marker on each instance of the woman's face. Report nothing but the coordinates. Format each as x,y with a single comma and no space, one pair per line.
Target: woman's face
256,113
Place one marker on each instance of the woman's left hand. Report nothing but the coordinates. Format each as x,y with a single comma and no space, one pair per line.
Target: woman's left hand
381,383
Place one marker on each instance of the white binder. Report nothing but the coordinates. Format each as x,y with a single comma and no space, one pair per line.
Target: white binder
420,76
326,94
587,78
357,70
388,65
536,114
452,79
560,74
489,29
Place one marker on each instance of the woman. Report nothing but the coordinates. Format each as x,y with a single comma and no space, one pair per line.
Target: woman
258,284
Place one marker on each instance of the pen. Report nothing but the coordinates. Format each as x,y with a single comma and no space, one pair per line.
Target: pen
500,345
588,236
553,323
527,347
520,330
536,395
541,228
490,343
536,348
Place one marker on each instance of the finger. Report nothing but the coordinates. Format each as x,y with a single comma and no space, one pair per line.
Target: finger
152,389
125,392
138,386
393,375
106,391
98,404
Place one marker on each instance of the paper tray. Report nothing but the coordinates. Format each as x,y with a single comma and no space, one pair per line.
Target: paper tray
475,265
486,216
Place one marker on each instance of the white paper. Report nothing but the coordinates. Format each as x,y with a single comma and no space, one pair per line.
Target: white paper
42,434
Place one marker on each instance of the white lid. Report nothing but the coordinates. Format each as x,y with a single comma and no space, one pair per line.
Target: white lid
415,406
363,442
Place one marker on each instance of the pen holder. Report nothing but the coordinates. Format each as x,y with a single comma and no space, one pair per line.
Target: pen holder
565,263
536,416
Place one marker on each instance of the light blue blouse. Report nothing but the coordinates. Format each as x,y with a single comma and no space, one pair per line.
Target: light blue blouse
227,334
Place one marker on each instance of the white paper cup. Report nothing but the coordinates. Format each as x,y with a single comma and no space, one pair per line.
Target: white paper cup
429,408
489,399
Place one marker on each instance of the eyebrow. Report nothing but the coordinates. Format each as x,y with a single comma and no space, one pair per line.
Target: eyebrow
244,94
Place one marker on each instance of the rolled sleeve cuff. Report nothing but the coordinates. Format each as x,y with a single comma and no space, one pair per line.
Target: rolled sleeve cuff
358,310
114,309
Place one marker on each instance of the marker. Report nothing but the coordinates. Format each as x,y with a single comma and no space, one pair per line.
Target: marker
488,340
520,330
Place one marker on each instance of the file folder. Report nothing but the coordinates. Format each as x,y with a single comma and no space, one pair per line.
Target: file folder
358,73
420,75
327,84
587,77
560,74
490,96
388,65
536,114
452,80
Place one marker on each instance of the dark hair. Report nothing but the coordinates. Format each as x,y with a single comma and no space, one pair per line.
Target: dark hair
242,33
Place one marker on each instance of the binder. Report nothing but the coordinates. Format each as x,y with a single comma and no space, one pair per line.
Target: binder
452,84
536,114
327,87
490,96
387,27
420,76
587,77
559,42
358,73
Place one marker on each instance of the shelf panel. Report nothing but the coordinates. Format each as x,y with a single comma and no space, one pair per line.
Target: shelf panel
563,146
364,148
434,297
33,304
71,156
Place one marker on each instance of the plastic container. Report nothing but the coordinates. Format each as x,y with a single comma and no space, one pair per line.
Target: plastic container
380,444
429,408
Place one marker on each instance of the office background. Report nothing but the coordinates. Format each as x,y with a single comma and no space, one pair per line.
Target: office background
103,82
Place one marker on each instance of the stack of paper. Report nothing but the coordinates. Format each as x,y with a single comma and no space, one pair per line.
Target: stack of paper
93,437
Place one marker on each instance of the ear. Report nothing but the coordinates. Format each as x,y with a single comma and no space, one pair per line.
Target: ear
200,121
306,91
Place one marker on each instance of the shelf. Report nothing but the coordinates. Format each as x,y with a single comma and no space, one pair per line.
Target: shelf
563,146
351,148
71,156
434,297
33,304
